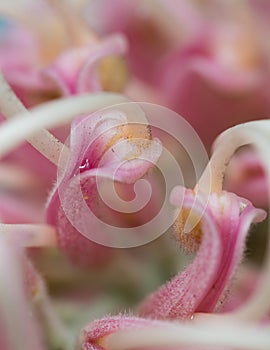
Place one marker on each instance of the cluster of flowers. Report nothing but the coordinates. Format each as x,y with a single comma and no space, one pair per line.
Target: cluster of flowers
72,67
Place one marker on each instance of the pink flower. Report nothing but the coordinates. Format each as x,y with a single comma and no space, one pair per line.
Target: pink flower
148,26
38,73
219,239
89,68
203,85
219,76
104,149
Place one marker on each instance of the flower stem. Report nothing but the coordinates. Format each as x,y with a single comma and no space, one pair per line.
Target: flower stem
236,336
31,235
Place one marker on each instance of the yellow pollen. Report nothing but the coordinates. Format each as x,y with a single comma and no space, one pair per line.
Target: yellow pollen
113,73
192,240
131,132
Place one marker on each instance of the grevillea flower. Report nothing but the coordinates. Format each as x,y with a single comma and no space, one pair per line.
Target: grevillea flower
107,152
103,147
219,239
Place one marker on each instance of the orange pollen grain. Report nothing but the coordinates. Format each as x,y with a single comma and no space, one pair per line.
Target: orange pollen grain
141,134
192,240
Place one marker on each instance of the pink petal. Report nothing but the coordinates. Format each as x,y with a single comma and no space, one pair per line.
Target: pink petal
92,162
200,287
180,297
238,214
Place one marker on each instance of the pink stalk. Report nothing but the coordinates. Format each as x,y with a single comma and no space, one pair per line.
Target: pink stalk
220,232
180,297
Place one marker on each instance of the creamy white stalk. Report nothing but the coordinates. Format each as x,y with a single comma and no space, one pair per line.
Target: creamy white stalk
30,235
225,147
15,178
234,336
43,140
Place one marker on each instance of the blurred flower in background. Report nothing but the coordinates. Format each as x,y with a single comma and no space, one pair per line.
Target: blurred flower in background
209,60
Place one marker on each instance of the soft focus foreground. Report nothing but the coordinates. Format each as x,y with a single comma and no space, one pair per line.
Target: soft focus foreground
134,174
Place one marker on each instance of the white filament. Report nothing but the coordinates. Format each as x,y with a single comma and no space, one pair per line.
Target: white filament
30,235
234,336
30,125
